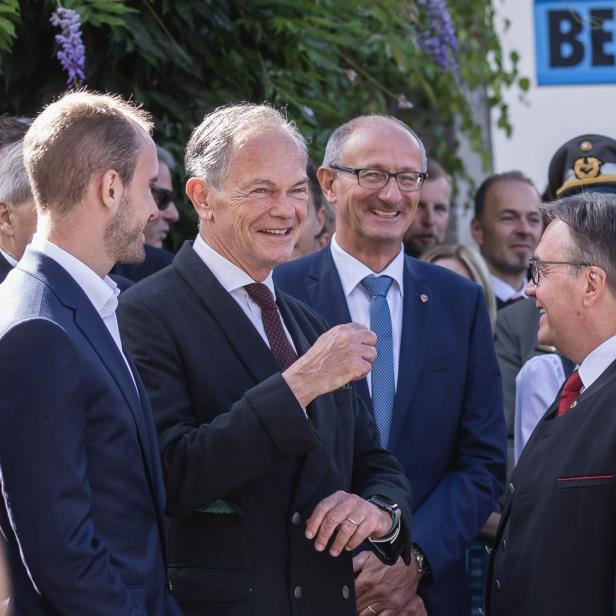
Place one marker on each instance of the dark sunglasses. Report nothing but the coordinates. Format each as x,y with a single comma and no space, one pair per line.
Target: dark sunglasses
162,197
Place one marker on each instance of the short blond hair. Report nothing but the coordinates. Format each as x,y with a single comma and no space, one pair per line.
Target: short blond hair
78,135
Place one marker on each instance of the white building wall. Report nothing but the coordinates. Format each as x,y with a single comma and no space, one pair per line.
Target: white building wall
551,115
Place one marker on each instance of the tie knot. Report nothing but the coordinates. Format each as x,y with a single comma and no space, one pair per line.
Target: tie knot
261,295
573,383
377,285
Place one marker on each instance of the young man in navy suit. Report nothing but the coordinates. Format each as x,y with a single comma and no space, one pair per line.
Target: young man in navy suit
81,478
437,399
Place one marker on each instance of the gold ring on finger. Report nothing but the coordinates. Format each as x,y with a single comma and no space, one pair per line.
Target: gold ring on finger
352,521
371,609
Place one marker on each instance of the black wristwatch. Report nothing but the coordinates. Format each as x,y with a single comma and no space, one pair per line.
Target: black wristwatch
392,509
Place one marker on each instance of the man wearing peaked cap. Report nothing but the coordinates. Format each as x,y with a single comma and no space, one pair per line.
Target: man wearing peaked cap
583,164
586,163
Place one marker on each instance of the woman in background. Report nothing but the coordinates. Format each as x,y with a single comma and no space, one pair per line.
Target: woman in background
468,263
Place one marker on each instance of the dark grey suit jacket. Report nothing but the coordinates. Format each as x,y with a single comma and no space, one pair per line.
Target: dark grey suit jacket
516,342
556,547
244,467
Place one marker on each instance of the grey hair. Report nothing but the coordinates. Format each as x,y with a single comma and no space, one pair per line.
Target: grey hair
591,218
335,144
14,183
211,145
165,156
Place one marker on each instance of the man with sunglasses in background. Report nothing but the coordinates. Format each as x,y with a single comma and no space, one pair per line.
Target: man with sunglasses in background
157,230
434,388
555,547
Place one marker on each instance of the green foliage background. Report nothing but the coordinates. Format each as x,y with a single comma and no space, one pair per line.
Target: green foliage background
324,60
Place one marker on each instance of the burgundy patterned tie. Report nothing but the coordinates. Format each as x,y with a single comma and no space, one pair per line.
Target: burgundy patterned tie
279,343
570,392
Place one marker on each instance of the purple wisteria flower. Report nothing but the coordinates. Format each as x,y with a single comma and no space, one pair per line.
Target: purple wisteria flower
438,39
72,53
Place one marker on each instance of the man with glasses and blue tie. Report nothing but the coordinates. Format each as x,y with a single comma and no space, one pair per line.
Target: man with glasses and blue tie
434,388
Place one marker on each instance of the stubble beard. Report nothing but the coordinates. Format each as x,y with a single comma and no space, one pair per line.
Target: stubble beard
123,237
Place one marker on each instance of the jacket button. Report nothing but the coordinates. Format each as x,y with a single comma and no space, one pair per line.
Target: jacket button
296,518
497,584
345,592
511,488
504,544
170,586
297,593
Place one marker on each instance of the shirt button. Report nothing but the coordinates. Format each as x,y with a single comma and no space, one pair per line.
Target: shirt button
296,518
511,488
297,593
498,585
504,544
345,592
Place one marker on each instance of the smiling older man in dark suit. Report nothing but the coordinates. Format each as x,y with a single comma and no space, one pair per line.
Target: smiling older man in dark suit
273,468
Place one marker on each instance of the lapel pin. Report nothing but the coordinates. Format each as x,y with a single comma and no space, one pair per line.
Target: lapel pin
423,297
573,404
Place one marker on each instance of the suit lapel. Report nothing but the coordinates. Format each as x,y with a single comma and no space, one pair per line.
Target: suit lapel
326,296
245,340
416,319
320,414
94,331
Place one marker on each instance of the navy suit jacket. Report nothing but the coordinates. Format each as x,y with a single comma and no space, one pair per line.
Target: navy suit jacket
155,260
448,429
81,478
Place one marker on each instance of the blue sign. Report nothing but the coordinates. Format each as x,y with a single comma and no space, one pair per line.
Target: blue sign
575,41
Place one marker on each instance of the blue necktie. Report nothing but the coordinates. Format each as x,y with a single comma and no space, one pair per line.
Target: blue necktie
382,375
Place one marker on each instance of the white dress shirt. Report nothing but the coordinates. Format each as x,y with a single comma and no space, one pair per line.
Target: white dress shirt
102,292
539,380
351,272
537,385
597,362
8,257
233,279
504,291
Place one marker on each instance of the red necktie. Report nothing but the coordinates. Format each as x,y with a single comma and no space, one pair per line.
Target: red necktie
279,343
570,392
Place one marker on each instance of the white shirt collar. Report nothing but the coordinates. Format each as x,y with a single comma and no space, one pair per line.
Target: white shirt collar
8,257
505,291
597,361
230,276
352,271
102,292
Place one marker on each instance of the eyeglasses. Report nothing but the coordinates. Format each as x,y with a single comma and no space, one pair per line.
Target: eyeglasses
374,179
162,197
537,264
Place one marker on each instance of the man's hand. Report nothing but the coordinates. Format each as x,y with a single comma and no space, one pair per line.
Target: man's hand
342,354
384,590
354,518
